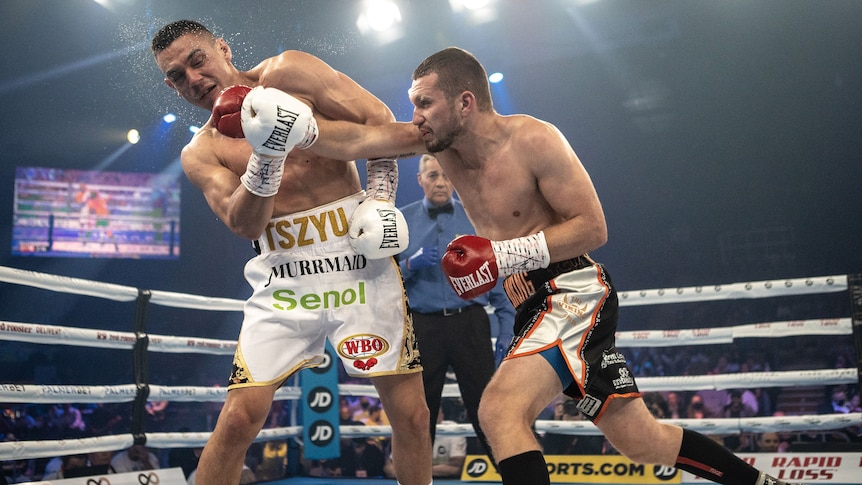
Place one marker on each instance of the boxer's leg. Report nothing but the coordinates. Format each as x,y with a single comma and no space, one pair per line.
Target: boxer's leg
241,419
403,399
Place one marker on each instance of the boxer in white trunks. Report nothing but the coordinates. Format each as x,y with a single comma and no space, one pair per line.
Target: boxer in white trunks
309,279
313,270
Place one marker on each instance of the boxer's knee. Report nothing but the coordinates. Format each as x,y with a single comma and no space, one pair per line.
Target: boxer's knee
244,412
497,414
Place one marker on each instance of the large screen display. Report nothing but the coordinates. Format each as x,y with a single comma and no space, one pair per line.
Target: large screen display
95,214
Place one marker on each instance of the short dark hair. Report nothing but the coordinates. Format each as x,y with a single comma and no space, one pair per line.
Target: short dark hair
458,71
173,31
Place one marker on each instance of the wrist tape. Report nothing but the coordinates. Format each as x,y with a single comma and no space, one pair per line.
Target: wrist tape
262,175
382,179
521,254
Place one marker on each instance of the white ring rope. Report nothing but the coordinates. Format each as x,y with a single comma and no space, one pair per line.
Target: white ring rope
52,334
734,291
31,393
16,450
84,337
77,286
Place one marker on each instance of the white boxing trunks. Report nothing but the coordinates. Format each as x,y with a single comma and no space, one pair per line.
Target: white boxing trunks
567,313
309,285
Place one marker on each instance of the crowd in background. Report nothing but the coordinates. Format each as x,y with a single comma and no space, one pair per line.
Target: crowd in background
370,457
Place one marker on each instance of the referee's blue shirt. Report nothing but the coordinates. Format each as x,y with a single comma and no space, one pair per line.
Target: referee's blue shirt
427,288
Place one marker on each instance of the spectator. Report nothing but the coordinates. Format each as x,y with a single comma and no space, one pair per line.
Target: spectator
361,408
675,407
273,464
68,463
736,408
656,404
764,401
100,462
72,423
52,468
837,402
376,416
157,414
855,404
449,452
134,459
784,437
768,442
567,444
362,460
103,420
696,408
749,399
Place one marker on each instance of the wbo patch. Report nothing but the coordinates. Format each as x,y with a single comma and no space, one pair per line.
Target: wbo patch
363,349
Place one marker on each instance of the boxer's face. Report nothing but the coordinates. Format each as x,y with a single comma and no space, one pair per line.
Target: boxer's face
436,117
198,67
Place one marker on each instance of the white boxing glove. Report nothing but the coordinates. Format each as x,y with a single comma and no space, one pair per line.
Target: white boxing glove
378,229
275,122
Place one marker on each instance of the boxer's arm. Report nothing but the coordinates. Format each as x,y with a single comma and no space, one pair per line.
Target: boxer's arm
565,184
332,94
243,213
357,124
347,141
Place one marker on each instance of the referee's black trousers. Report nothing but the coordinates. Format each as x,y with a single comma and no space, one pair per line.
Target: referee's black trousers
462,341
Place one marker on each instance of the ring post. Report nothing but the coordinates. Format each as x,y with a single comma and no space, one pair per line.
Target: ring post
139,352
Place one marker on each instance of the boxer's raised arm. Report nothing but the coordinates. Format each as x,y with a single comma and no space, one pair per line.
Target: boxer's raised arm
244,213
344,140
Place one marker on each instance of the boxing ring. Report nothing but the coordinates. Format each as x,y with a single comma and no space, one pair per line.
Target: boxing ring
140,343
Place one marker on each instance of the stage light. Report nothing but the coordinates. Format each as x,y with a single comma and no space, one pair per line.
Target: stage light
476,12
379,15
474,4
169,118
133,136
194,129
495,77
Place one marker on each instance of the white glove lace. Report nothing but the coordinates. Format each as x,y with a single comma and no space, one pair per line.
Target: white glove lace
310,135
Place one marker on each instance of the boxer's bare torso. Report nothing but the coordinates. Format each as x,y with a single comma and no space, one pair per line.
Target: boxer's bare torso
199,68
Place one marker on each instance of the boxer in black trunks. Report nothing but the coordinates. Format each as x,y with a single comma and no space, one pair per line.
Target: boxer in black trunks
533,205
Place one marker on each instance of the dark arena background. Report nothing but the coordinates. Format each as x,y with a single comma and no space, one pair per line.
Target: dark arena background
724,139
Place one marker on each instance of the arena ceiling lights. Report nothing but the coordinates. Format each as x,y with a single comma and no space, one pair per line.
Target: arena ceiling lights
383,18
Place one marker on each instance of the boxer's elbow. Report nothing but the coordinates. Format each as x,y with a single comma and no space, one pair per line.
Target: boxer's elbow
245,227
249,219
380,114
599,234
245,231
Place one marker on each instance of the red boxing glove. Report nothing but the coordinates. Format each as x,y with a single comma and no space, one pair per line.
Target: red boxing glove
471,266
227,111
